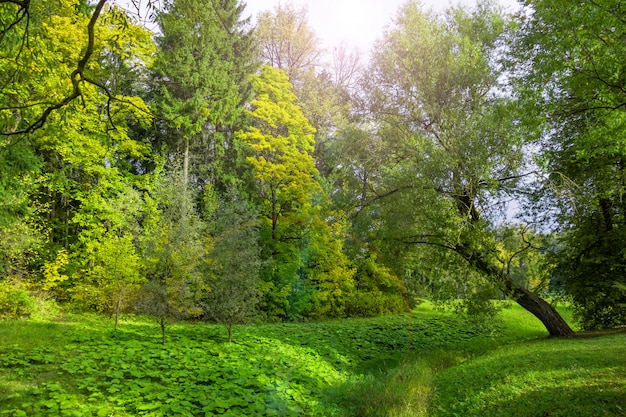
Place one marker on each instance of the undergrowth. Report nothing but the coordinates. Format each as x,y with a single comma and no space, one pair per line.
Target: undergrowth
419,364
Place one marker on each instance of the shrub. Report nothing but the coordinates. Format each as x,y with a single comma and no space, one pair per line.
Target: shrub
378,291
15,302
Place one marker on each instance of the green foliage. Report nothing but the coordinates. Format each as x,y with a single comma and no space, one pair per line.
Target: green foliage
15,301
424,363
582,145
593,278
328,271
114,274
429,95
271,370
522,251
282,139
172,245
282,142
233,264
59,176
19,164
108,269
378,291
200,82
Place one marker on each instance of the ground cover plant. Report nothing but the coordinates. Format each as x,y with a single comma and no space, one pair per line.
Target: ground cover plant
423,363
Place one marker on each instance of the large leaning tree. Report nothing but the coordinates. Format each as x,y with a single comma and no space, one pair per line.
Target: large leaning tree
452,146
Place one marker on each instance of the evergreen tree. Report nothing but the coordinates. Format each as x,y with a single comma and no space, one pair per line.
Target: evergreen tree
200,83
173,246
232,264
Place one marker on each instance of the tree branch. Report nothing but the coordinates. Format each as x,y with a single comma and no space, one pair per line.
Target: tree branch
421,240
76,77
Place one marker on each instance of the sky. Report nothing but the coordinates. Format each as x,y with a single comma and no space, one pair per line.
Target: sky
357,23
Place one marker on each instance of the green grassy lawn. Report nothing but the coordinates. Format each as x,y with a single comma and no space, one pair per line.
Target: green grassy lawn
427,363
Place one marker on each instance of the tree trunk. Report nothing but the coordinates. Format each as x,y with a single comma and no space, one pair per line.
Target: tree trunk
118,305
163,329
537,306
229,327
186,162
540,308
274,214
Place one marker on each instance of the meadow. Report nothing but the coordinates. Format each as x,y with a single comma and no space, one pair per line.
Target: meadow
426,363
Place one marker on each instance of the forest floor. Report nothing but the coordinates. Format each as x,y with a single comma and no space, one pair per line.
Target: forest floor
424,363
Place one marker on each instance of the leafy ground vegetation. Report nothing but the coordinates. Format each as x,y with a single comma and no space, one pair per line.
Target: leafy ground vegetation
424,363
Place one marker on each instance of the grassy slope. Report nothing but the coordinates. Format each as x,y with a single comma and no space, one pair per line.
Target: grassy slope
425,363
569,378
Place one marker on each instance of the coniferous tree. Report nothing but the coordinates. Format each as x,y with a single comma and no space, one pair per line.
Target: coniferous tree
232,264
200,83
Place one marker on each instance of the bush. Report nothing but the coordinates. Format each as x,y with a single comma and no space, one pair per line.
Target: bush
15,302
594,279
378,291
376,303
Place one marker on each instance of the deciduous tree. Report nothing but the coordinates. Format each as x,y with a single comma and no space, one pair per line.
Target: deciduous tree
571,77
282,142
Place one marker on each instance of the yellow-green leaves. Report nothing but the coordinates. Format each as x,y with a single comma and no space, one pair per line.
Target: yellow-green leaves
51,270
282,141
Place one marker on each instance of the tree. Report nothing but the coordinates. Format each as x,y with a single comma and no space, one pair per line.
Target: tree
173,246
378,290
109,271
233,264
23,45
59,151
201,82
323,89
287,42
572,84
452,146
328,272
281,139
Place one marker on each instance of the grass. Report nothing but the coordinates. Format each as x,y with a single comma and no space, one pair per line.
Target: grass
427,363
569,378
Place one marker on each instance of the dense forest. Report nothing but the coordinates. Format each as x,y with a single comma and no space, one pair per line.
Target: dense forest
229,170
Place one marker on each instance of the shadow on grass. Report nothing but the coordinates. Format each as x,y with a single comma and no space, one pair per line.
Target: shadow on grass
552,377
563,401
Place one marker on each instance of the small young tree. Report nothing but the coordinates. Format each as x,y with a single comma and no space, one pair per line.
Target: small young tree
116,272
104,267
233,264
173,248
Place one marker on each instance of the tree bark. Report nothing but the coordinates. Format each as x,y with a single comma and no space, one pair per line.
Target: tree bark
537,306
540,308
